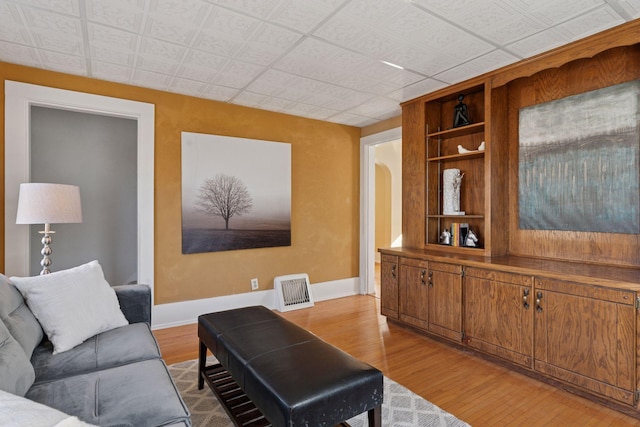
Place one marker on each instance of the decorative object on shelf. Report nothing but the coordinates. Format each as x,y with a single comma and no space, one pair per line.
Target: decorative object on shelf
451,182
461,114
459,231
48,204
471,240
462,150
445,237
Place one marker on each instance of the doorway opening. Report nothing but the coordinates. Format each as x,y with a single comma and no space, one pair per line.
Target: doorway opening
19,98
368,245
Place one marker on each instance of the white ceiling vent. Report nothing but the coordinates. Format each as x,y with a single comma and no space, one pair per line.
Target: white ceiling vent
293,292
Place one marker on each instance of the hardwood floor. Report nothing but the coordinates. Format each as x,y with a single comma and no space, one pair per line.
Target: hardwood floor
475,390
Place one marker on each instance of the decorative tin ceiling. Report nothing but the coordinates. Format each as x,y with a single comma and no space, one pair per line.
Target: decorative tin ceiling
321,59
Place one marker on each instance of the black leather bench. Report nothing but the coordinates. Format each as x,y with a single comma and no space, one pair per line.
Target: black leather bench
291,376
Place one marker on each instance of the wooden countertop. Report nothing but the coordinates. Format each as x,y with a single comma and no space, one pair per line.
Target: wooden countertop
618,276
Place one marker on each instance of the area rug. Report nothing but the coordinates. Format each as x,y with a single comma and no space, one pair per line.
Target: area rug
401,407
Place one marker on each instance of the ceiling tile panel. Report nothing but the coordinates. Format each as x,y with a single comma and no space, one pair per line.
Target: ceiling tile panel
50,40
186,11
497,20
109,71
539,42
352,119
481,65
300,15
44,20
631,7
374,12
219,93
206,60
161,49
68,7
592,22
258,8
197,73
113,38
188,87
230,24
19,54
117,57
417,89
553,12
126,15
237,74
64,63
342,30
216,44
250,99
160,65
165,28
150,79
275,37
422,27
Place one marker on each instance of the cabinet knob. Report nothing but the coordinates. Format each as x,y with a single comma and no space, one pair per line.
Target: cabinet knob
422,274
525,299
393,271
431,279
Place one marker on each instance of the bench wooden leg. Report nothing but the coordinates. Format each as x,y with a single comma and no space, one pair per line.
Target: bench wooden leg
375,417
201,363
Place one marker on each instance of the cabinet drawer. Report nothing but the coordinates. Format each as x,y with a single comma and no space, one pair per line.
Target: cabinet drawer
414,262
389,258
619,296
447,268
499,276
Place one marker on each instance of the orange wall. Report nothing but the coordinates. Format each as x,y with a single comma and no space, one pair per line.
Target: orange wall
325,190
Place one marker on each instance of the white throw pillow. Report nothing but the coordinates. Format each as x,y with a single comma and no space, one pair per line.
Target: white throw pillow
18,411
72,305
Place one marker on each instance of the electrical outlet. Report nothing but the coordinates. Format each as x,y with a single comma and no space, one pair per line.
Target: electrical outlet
254,284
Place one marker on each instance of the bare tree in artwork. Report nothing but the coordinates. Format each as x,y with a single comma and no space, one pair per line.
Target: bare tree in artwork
225,196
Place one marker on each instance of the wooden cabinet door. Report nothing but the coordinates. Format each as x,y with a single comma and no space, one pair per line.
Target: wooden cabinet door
498,314
445,300
585,335
389,286
414,292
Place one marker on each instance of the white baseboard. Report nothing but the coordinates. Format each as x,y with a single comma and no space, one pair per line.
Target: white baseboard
187,312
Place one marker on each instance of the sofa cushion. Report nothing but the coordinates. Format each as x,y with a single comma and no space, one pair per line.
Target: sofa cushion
137,395
18,411
72,305
15,314
16,373
126,344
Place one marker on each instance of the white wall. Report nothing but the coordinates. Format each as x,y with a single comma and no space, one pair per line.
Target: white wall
97,153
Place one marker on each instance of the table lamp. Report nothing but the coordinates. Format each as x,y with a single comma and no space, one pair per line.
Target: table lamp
40,203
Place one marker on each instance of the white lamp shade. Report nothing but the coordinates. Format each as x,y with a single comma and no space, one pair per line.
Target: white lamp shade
40,203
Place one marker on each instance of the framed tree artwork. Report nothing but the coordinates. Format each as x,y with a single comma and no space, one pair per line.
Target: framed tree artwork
236,193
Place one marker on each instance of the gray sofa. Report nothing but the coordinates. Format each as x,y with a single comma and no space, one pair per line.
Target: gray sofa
116,378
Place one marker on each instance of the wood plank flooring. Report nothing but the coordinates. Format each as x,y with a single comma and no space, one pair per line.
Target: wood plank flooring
475,390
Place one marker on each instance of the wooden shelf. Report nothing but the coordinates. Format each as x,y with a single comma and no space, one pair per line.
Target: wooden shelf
456,132
455,249
457,216
463,156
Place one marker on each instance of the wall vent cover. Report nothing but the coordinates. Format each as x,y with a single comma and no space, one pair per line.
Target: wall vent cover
293,292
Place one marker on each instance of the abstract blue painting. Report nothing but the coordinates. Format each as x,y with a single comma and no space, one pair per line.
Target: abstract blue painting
579,162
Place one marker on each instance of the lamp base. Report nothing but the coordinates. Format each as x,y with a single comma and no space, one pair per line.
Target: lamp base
46,249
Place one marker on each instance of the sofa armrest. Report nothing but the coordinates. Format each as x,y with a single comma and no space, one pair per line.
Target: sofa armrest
135,302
